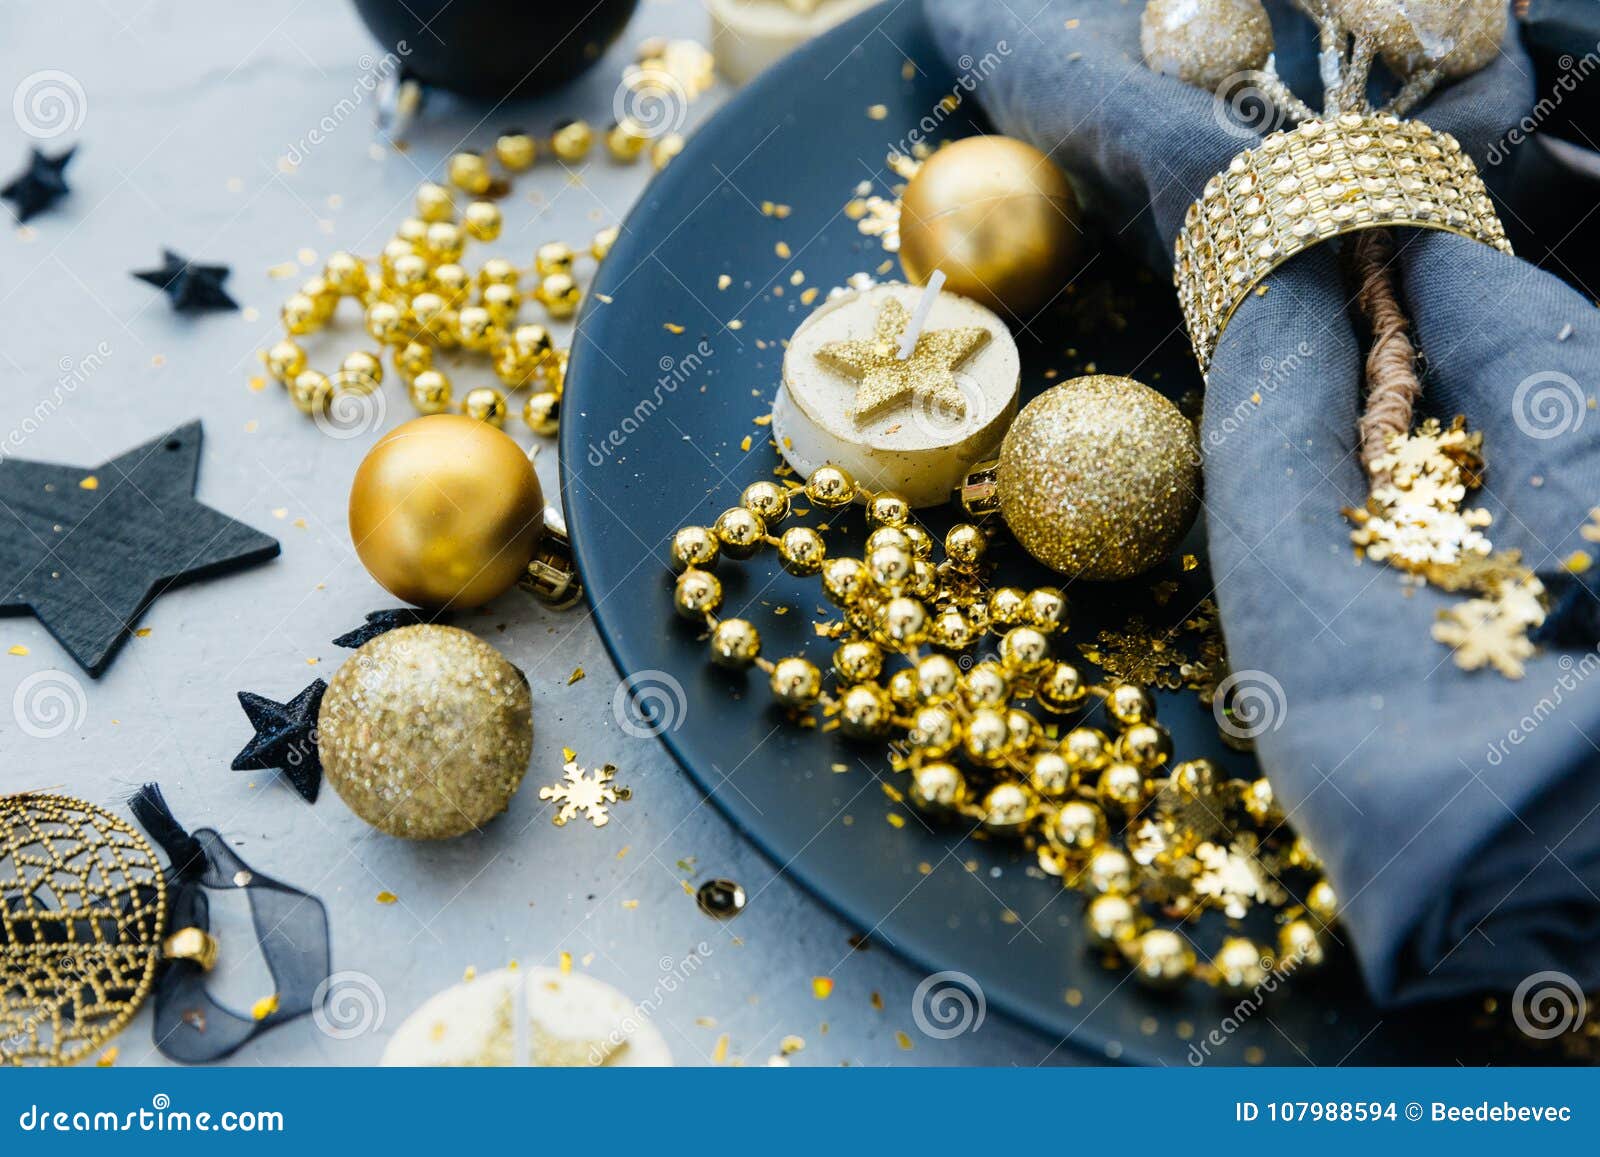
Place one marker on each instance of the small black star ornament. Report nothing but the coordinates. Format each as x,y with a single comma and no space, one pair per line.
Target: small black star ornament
379,623
40,185
86,550
286,738
191,288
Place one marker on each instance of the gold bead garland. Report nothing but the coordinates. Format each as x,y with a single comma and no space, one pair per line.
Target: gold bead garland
418,298
1108,812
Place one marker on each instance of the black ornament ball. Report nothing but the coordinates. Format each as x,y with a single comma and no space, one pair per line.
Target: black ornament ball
492,49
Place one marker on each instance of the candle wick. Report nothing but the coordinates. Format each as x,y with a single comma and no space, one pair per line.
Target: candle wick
919,316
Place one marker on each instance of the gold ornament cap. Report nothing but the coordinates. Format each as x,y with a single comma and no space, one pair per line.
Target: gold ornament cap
191,944
552,575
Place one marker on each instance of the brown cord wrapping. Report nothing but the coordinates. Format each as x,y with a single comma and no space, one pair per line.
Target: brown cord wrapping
1392,384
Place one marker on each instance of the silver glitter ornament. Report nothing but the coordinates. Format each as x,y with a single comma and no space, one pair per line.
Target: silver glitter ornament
1457,36
1205,42
426,731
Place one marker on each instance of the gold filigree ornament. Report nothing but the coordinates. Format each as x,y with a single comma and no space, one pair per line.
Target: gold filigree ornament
82,928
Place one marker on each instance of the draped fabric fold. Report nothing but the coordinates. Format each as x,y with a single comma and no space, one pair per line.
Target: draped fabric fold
1458,813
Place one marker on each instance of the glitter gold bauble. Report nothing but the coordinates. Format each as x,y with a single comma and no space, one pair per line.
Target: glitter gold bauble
1205,42
425,732
446,511
1099,477
998,217
1456,36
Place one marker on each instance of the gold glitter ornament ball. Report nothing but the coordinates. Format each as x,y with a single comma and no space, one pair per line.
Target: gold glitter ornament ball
998,217
1205,42
425,732
1099,477
446,510
1457,36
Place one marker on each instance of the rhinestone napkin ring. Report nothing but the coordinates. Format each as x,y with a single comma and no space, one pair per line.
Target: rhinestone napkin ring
1305,185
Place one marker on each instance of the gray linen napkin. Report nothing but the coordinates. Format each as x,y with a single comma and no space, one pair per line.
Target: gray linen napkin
1458,813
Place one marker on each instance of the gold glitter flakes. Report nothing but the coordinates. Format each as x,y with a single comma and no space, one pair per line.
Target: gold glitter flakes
883,379
576,676
878,217
579,791
264,1007
822,987
387,897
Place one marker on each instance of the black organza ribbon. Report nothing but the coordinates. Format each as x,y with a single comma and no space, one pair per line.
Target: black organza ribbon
291,927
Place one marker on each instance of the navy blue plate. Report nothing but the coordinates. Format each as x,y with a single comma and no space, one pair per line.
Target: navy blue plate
653,437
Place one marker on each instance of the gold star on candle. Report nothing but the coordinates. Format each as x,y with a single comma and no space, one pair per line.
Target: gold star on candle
884,379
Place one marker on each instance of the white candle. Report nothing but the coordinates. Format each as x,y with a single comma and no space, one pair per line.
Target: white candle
913,425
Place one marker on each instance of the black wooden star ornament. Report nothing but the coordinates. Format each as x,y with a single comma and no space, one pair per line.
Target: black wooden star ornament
286,738
86,550
40,185
379,623
190,287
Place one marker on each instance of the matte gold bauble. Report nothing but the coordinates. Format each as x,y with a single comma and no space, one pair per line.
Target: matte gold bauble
998,217
1099,477
1205,42
425,732
446,511
1457,36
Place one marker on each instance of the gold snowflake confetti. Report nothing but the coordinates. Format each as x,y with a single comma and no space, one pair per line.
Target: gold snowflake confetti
581,791
1232,877
1135,654
1484,633
1414,521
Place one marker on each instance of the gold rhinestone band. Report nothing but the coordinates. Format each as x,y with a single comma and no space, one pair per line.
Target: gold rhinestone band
1304,185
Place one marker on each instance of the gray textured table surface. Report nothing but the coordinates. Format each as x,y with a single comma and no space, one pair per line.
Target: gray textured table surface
188,109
